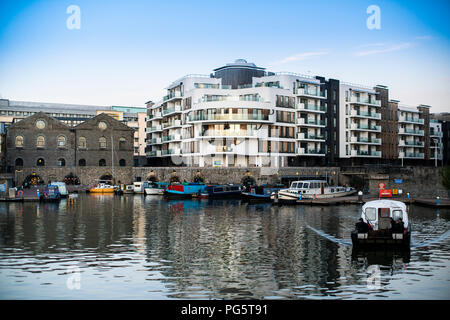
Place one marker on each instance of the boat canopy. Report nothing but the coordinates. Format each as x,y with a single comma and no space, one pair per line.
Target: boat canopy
372,211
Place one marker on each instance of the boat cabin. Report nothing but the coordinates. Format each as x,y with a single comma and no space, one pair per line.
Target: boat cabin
378,213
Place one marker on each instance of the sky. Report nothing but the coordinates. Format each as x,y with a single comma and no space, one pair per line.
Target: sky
128,52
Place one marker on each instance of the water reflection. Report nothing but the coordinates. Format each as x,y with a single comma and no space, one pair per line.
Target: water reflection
146,247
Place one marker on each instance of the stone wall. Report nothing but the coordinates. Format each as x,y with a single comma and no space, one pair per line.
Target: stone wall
86,175
418,181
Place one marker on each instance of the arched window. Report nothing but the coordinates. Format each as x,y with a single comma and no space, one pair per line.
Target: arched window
122,163
82,144
82,162
18,162
40,162
102,163
19,142
61,162
102,142
122,144
61,141
40,141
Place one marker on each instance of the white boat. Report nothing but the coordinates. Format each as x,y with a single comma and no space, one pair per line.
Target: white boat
384,223
61,187
311,189
155,188
138,187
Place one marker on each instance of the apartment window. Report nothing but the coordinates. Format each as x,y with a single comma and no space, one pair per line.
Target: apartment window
82,162
19,142
61,162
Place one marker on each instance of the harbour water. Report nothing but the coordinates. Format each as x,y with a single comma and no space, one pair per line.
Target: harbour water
145,247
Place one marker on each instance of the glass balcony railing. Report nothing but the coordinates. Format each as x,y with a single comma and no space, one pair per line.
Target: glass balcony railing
310,107
228,133
230,116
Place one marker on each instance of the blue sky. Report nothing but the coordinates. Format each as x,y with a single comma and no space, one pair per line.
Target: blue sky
127,52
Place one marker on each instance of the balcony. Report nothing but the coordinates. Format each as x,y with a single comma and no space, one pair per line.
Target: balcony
229,117
154,153
310,152
372,102
310,107
155,141
365,127
153,128
366,153
365,114
411,120
436,134
315,93
175,109
411,143
411,155
220,149
306,136
411,131
228,133
167,152
310,122
171,138
176,94
361,140
175,123
154,116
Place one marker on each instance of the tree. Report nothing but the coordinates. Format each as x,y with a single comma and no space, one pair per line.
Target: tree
445,175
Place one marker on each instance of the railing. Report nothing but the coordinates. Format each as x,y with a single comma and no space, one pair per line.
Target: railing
310,92
302,106
176,94
366,101
227,133
410,119
230,116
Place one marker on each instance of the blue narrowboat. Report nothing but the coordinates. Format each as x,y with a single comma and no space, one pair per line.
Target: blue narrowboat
184,190
51,193
258,193
222,191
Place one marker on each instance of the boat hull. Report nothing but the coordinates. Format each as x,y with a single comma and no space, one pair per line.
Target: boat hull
105,190
154,191
381,239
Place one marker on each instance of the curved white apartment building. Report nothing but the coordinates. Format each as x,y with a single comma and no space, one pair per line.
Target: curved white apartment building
242,116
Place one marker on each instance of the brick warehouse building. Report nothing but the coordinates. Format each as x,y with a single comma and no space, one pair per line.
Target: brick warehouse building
43,146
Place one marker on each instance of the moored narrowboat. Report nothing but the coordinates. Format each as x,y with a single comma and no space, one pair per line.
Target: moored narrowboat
222,191
184,190
259,193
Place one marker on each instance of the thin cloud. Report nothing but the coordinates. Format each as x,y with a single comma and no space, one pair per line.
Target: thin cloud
424,37
301,56
377,44
393,48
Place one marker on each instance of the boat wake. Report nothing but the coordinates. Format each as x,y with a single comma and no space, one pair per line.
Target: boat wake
431,241
413,245
330,237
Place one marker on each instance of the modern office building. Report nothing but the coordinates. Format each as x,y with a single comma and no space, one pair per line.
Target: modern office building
74,114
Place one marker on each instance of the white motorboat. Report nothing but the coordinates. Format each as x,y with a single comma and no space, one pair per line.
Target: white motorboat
311,189
384,223
138,187
155,188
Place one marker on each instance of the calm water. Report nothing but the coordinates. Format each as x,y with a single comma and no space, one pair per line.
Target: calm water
143,247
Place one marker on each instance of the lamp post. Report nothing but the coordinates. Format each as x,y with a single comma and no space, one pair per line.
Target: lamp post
435,151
